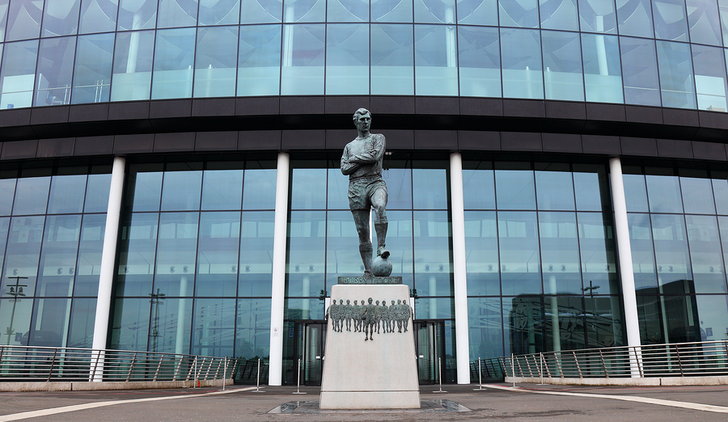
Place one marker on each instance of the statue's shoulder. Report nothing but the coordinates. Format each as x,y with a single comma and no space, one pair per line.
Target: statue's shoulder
378,136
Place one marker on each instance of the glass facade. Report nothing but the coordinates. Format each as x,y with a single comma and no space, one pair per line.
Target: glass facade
669,53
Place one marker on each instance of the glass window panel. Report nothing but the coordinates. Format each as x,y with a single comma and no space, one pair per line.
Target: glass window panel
218,254
338,190
308,189
671,252
515,189
559,14
130,326
522,324
554,187
222,189
98,16
170,325
3,17
55,71
723,224
391,11
713,317
710,77
705,254
132,77
260,11
4,224
597,16
144,188
563,77
562,316
176,253
215,67
590,184
639,67
304,11
635,192
399,187
298,309
643,257
676,74
89,255
399,238
670,20
17,76
602,68
392,59
635,18
181,190
174,53
256,254
720,191
433,272
596,245
137,14
481,244
7,190
92,73
342,247
604,322
697,194
306,253
479,188
477,12
58,260
259,60
252,331
704,22
430,188
22,254
49,325
137,245
177,13
60,17
434,308
434,11
18,314
560,253
24,19
31,195
519,253
650,320
347,69
303,60
723,6
436,70
664,193
521,55
219,12
479,62
67,194
81,323
518,13
97,193
259,187
347,11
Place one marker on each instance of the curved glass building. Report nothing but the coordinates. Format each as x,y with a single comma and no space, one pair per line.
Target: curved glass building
169,173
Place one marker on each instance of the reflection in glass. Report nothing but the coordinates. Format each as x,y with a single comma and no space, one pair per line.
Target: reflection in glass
256,254
635,18
563,323
391,11
597,16
604,321
559,14
215,67
436,70
522,324
219,12
434,308
252,332
591,189
92,71
24,19
307,188
97,192
169,330
554,187
176,253
98,16
479,188
173,59
81,323
4,224
434,11
130,326
90,246
7,190
177,13
560,253
602,68
132,77
399,238
213,328
485,327
563,77
670,20
671,252
710,78
433,272
181,190
429,187
58,259
705,254
643,257
515,188
298,309
704,22
302,67
347,69
521,55
17,314
720,191
639,67
477,12
144,188
137,14
306,253
67,194
338,188
519,253
60,17
31,195
664,192
392,58
222,189
17,75
259,60
713,317
342,247
260,11
597,248
55,70
49,323
138,240
479,62
347,11
259,189
522,13
481,244
217,254
399,186
697,193
304,10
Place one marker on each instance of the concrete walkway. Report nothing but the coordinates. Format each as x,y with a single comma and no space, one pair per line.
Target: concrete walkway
528,402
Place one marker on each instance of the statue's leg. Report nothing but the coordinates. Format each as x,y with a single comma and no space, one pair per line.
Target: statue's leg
379,203
361,220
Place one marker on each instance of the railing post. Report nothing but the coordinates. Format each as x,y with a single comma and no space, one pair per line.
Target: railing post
604,365
131,367
96,365
176,369
298,379
576,360
159,365
513,369
679,361
53,362
217,370
224,373
209,365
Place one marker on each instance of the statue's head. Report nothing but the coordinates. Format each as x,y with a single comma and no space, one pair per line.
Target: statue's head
392,303
341,301
377,303
362,119
355,302
348,302
370,301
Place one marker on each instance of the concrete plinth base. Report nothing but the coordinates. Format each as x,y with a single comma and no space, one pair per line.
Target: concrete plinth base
376,373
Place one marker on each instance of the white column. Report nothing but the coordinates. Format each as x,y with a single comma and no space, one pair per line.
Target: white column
108,256
278,291
624,251
462,341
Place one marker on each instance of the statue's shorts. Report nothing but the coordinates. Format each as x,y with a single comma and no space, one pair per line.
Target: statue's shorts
362,189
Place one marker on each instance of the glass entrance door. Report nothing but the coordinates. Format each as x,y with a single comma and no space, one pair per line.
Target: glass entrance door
429,345
314,338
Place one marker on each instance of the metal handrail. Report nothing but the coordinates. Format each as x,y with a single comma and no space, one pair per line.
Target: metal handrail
705,358
40,363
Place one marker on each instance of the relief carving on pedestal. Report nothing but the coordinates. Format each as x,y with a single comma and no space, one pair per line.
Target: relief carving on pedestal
370,316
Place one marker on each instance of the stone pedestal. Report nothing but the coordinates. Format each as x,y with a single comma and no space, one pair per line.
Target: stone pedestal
380,373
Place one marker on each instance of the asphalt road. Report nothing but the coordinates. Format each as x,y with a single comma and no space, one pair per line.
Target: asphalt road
527,403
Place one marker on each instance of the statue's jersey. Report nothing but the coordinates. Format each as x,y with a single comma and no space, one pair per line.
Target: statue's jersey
370,148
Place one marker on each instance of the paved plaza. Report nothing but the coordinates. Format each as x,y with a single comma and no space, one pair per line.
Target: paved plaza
527,402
